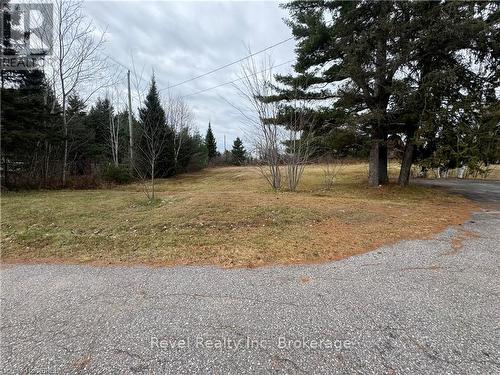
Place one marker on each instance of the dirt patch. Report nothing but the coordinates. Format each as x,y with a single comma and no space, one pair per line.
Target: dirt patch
457,241
305,279
82,363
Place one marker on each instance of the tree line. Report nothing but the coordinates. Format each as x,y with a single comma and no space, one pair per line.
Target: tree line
166,141
65,123
414,80
33,137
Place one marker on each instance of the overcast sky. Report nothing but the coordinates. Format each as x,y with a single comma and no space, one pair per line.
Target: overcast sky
181,40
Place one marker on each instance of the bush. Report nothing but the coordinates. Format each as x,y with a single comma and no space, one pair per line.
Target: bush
477,168
117,174
88,181
198,161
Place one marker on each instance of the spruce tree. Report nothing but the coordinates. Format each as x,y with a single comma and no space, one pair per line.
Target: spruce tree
430,101
383,65
210,143
98,126
349,53
81,153
238,152
27,125
153,136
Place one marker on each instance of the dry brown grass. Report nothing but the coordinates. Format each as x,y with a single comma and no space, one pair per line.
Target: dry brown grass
223,216
495,172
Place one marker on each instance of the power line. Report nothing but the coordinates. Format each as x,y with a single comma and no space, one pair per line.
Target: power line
117,62
125,67
235,80
234,62
227,65
216,69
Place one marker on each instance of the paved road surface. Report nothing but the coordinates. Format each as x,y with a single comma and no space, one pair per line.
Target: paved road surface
416,307
478,190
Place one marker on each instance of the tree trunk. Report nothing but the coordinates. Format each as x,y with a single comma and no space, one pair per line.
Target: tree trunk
377,174
6,181
153,181
65,124
383,177
65,159
374,170
404,173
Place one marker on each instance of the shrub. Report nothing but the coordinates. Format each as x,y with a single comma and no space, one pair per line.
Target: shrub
198,161
477,168
117,174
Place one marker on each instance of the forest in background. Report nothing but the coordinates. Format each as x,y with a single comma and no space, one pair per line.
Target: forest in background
416,82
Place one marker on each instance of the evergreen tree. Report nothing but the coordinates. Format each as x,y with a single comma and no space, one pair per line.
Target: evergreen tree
28,128
443,90
98,127
238,152
363,44
122,119
386,66
80,151
210,143
154,140
194,153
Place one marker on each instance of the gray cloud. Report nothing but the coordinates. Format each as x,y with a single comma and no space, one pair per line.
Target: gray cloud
180,40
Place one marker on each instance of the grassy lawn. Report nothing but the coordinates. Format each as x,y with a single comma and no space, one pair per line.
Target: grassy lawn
226,216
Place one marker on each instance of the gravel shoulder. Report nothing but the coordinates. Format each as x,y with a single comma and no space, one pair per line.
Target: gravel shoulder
427,306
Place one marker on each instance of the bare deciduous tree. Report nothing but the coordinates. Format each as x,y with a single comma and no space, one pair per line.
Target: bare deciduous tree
299,144
115,124
114,131
257,83
331,168
76,61
180,120
153,140
154,143
270,136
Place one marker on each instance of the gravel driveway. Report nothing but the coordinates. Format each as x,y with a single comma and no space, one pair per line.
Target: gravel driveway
429,306
481,191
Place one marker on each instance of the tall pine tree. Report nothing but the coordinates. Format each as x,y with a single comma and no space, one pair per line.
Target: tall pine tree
386,66
441,88
238,152
348,54
210,143
153,136
28,128
98,124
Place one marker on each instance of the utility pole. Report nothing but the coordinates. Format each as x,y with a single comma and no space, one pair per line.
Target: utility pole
131,135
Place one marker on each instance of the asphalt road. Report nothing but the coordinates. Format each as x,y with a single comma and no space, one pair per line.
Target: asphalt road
418,307
481,191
